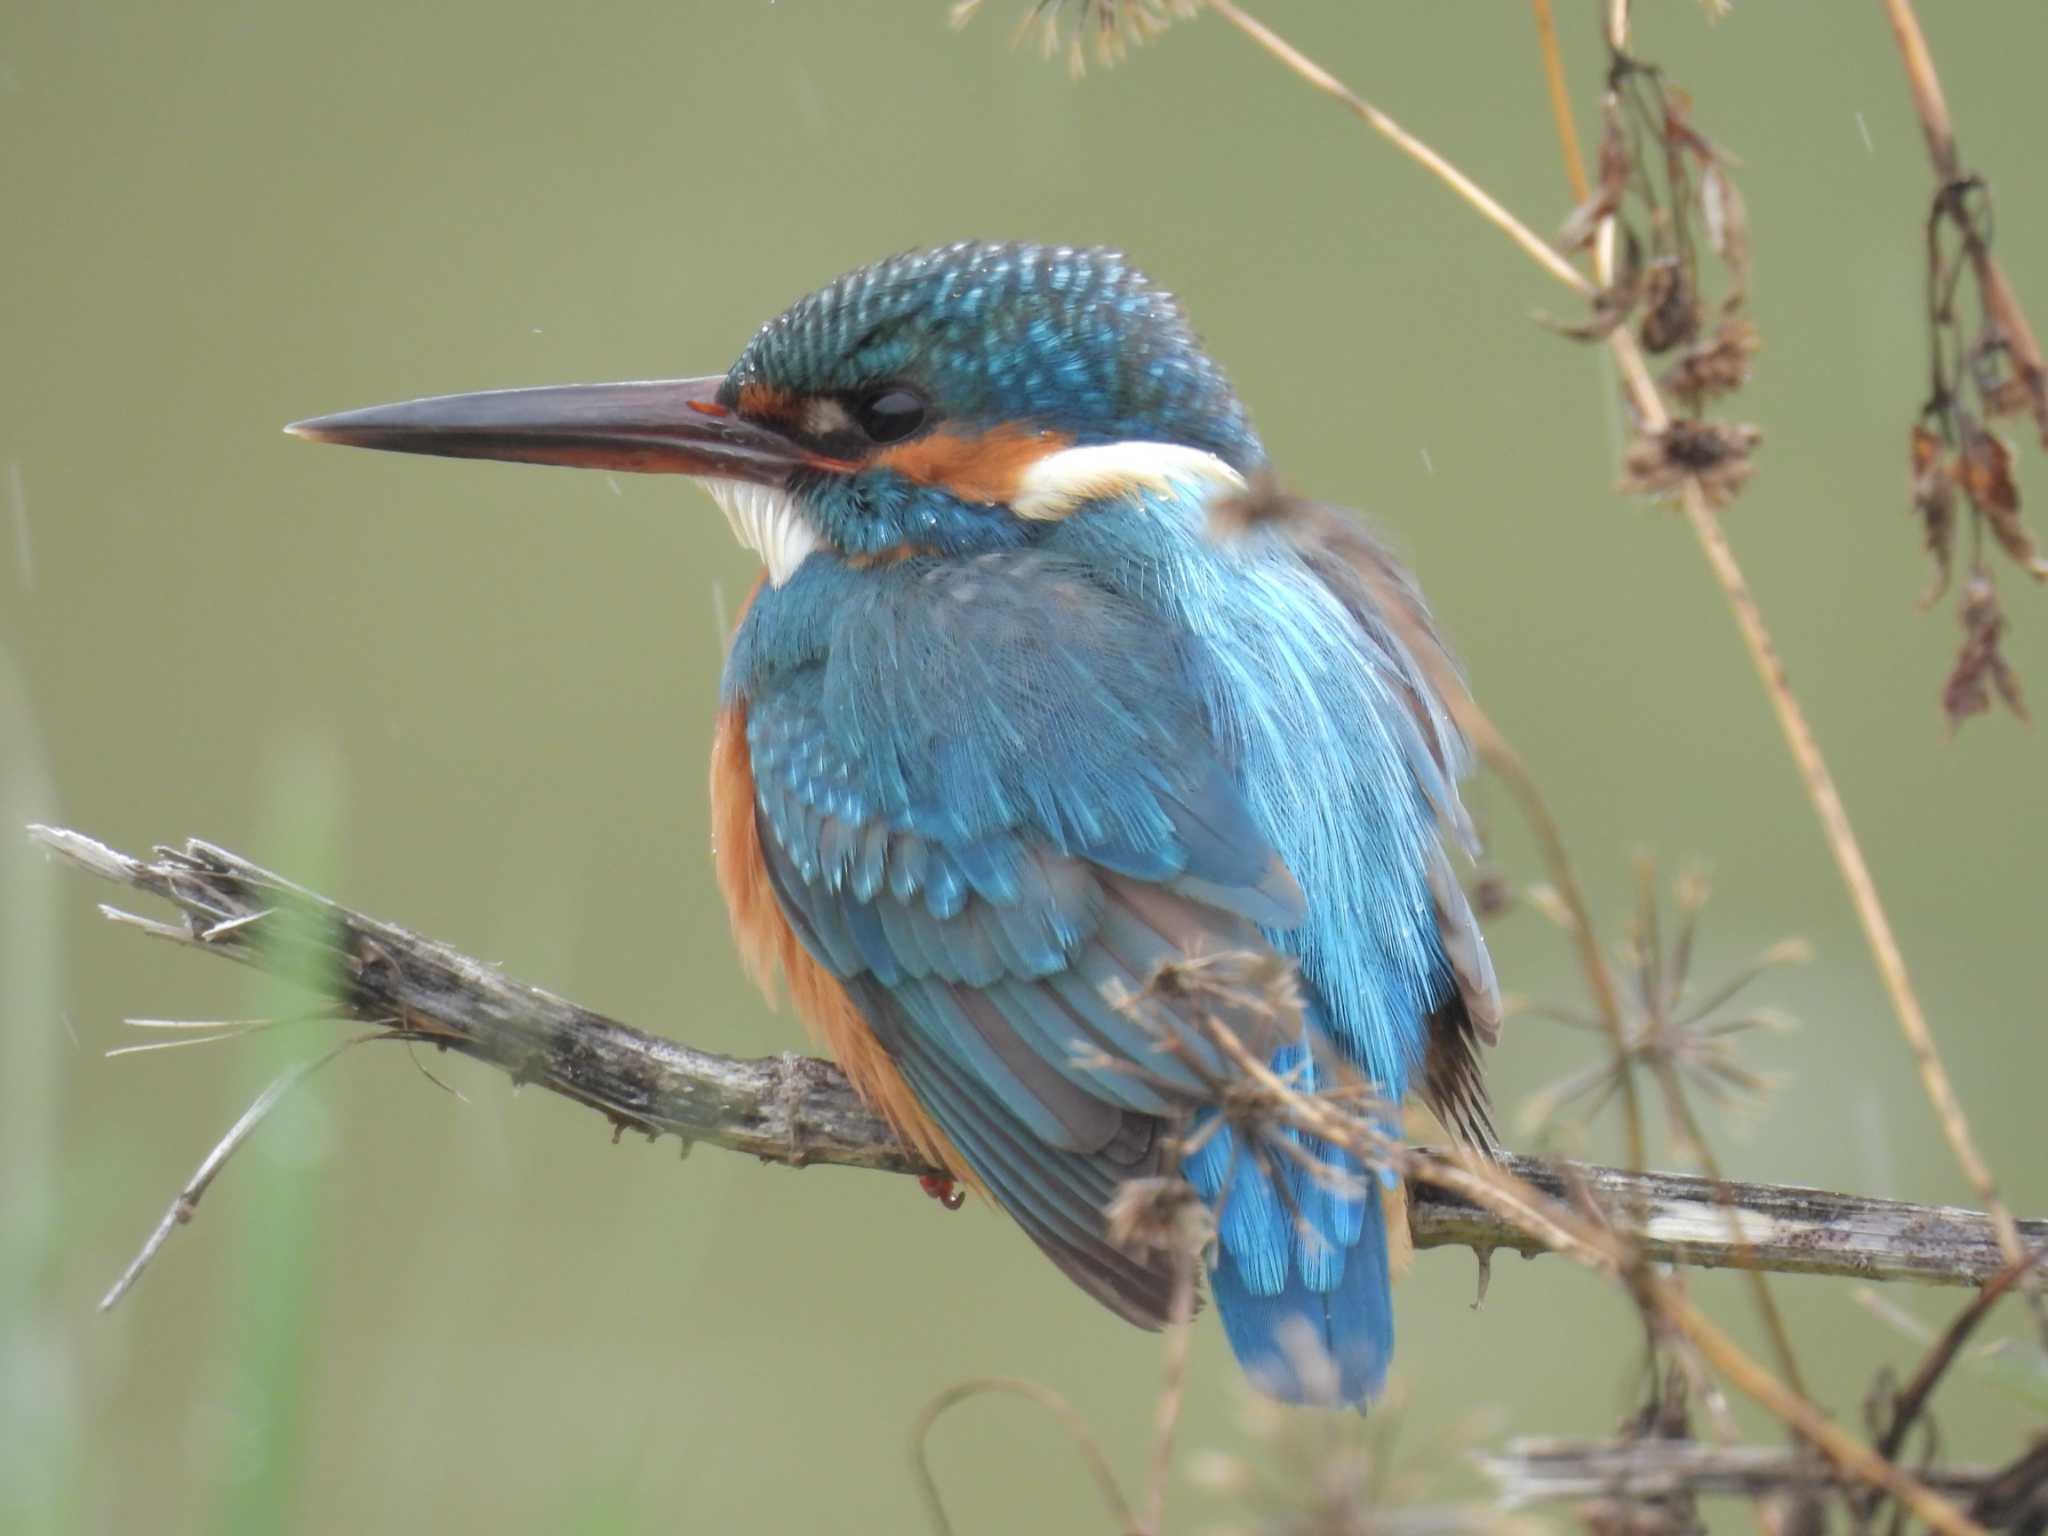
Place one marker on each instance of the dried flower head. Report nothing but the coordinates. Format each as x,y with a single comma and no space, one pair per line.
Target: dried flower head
1346,1475
1660,181
1107,28
1665,1027
1715,454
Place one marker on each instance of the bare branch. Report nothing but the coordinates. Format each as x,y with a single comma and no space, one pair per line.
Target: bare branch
797,1110
1535,1471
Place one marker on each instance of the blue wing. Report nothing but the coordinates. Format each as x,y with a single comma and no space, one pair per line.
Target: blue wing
991,808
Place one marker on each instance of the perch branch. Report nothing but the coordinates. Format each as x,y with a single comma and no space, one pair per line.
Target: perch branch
1535,1471
797,1110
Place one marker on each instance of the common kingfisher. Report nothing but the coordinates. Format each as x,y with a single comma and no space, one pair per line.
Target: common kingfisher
1011,723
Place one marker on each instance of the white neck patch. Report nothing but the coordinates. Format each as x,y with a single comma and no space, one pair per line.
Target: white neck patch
767,520
1055,485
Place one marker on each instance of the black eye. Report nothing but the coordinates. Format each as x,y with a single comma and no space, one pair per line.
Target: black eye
890,414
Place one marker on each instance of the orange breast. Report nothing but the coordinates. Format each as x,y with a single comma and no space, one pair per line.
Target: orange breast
771,948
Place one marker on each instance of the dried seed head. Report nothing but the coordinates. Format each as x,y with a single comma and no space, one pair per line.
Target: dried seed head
1716,365
1108,28
1715,454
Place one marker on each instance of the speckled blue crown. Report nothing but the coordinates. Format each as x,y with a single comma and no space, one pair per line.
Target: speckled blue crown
1073,340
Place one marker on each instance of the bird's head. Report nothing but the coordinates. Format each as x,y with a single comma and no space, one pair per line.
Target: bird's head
940,402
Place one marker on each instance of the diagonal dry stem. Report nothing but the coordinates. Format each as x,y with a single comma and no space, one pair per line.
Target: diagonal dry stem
1561,101
1480,200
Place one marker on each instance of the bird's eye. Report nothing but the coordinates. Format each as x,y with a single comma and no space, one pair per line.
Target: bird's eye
890,414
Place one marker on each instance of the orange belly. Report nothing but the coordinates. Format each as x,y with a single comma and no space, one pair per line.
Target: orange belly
770,948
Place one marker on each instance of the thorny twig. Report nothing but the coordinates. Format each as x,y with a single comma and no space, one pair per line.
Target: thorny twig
186,1203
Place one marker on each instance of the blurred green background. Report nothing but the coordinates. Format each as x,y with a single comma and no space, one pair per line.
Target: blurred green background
478,700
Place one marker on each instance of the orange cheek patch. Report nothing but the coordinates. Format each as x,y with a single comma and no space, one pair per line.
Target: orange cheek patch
986,467
770,947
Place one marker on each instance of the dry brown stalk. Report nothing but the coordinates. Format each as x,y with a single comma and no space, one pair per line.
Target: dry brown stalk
1481,201
1560,100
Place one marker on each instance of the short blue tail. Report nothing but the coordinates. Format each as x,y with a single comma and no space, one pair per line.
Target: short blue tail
1309,1312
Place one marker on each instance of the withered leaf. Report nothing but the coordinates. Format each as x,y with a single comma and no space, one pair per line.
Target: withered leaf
1679,132
1614,167
1980,665
1984,466
1934,503
1727,220
1717,454
1716,365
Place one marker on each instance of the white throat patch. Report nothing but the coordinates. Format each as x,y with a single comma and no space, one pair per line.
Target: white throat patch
767,520
1055,485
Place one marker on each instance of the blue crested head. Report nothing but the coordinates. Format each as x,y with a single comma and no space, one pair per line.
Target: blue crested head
1070,341
938,383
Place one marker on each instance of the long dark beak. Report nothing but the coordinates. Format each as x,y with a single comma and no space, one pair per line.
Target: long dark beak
658,427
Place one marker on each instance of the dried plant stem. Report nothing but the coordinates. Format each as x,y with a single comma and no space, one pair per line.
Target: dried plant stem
1999,298
1538,249
185,1205
1172,1391
1679,1107
1561,100
1063,1411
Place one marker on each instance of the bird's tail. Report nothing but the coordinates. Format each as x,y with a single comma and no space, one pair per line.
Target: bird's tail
1301,1276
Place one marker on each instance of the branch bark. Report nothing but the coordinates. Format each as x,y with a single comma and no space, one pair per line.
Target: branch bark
797,1110
1537,1471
